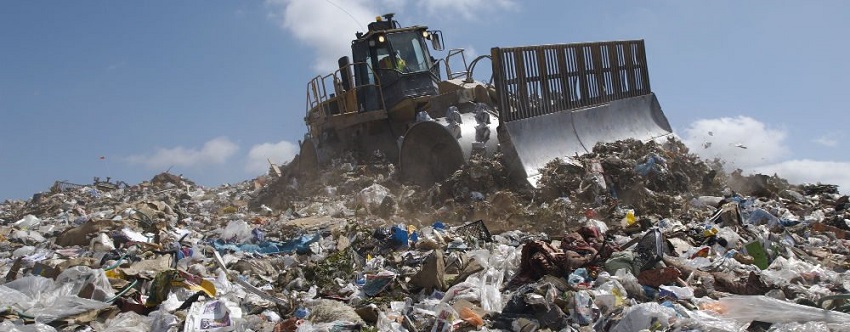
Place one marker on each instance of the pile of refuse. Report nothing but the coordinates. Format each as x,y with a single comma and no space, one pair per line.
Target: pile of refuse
633,236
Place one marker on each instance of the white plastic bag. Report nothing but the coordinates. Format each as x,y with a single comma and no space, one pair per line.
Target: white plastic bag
629,282
38,297
469,290
645,316
162,321
681,293
491,297
610,295
371,197
237,230
27,222
125,322
78,277
385,324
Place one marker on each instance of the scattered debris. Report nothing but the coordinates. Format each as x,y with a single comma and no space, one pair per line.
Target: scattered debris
631,236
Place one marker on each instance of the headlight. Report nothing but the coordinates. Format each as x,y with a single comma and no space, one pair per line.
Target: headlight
426,34
382,39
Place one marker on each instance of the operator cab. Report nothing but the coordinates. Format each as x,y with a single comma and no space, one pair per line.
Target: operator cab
400,59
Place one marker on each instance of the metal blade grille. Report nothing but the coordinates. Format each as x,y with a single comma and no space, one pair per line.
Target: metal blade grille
538,80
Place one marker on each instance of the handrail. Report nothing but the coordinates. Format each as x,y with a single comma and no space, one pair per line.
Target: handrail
319,95
452,75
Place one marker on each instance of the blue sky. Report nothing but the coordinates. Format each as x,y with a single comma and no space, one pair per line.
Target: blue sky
211,89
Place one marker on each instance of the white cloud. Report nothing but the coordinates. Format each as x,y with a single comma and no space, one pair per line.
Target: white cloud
742,142
826,141
214,151
329,26
326,26
279,153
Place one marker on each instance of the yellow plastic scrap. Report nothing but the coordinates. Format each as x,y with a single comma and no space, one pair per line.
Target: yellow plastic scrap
194,283
630,218
114,274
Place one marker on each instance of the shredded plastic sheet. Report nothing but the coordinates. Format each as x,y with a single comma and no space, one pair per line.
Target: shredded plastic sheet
37,327
801,327
770,310
40,298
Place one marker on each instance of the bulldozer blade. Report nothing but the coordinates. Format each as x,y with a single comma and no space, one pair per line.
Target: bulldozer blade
538,140
559,101
431,153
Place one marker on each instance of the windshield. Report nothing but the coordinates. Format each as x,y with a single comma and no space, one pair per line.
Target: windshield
408,46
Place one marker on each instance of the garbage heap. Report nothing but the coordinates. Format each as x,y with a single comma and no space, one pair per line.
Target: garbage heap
633,236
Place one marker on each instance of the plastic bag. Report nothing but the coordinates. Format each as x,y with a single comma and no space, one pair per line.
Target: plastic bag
609,296
582,308
78,278
371,197
125,322
161,320
676,292
468,290
237,230
27,222
23,251
580,279
491,297
629,282
39,297
781,271
760,217
649,315
488,281
387,324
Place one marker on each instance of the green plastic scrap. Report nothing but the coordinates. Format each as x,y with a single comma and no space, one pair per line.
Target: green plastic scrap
755,250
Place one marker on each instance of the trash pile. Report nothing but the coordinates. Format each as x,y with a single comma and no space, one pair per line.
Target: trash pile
633,236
